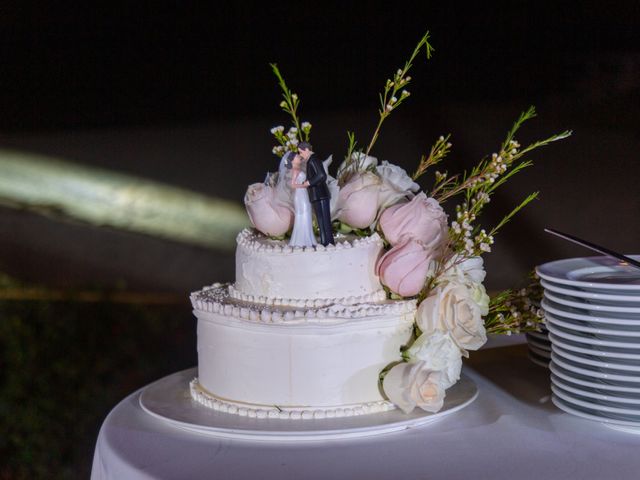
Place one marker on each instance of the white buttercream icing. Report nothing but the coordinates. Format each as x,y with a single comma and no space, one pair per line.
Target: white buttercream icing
270,269
304,332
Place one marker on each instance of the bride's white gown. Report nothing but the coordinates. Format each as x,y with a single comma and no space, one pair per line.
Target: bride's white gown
302,235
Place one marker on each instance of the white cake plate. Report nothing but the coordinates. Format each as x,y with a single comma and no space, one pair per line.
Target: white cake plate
169,399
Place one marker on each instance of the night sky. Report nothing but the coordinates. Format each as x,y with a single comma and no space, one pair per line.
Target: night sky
126,65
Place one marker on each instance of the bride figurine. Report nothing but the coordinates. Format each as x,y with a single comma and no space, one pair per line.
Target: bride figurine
302,235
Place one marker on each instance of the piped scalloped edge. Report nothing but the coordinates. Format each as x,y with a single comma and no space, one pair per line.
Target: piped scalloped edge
253,241
375,297
203,397
216,299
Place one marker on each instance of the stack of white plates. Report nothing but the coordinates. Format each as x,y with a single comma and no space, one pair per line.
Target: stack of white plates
539,346
592,313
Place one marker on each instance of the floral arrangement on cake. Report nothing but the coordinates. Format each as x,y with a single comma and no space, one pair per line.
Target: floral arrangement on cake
427,257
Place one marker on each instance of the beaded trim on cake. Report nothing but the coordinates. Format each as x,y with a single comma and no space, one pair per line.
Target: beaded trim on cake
202,396
216,299
379,296
251,240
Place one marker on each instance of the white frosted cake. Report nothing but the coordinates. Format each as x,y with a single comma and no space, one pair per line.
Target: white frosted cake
303,333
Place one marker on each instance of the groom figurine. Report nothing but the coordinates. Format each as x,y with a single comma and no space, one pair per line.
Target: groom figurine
319,195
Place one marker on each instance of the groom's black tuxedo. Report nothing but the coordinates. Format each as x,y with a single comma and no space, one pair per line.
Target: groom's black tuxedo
317,178
320,198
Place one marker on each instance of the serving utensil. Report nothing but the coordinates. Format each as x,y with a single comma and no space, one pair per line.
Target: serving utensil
596,248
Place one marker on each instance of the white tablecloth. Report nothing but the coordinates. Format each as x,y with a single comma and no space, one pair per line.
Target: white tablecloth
511,431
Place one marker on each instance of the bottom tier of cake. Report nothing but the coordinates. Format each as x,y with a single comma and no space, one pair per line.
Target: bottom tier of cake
279,363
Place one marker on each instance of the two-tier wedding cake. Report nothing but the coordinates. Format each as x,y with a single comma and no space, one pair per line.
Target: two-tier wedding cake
303,333
356,294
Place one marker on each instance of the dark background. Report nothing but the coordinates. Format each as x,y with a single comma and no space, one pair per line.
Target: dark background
184,95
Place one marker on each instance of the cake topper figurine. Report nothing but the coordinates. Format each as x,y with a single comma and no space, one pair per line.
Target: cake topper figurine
318,191
302,234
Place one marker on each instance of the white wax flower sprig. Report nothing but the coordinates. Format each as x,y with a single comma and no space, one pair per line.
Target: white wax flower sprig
299,131
516,311
427,257
393,95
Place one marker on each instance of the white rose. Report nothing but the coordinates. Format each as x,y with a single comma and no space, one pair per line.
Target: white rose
334,189
396,184
410,385
480,297
451,308
470,270
363,162
266,212
470,273
358,200
439,353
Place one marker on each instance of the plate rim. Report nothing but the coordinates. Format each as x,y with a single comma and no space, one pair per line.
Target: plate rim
592,373
598,353
540,353
589,341
240,431
539,344
538,361
593,406
588,318
594,363
590,306
555,380
550,318
558,402
548,285
540,270
589,383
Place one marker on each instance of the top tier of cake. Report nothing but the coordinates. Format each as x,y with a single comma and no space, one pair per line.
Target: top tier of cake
270,271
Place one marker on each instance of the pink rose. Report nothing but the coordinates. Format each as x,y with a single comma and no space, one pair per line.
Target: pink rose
358,200
421,219
404,268
267,214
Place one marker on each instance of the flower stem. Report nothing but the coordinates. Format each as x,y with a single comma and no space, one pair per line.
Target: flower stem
388,100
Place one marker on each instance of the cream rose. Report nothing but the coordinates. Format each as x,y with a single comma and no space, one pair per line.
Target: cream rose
363,162
469,270
470,273
266,213
404,268
422,219
334,189
410,385
358,200
440,353
451,308
396,184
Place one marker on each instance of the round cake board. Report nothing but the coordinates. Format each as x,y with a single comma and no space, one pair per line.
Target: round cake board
169,399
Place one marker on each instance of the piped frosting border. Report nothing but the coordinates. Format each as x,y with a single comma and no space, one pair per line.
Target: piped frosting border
202,396
216,299
251,240
378,296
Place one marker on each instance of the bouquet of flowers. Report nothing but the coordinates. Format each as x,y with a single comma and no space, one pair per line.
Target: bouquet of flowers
427,257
